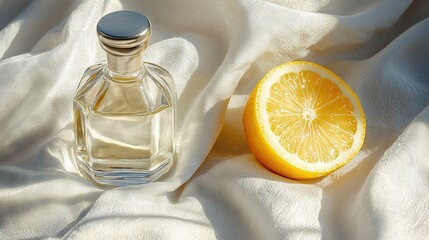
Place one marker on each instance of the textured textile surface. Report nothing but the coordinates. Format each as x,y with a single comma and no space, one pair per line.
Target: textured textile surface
217,51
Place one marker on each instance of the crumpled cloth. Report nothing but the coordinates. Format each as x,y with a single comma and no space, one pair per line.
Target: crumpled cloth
217,51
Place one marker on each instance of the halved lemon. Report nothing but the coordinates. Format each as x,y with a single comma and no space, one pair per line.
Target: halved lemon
303,121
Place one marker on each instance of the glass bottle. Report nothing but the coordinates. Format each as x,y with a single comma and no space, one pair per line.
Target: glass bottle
124,111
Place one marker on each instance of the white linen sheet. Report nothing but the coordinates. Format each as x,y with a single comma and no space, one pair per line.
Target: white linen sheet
217,51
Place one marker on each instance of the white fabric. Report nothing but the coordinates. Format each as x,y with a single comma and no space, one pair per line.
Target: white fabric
217,51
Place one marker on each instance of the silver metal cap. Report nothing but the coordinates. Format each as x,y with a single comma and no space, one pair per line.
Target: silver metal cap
124,32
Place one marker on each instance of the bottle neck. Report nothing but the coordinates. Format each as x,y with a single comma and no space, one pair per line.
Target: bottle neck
129,66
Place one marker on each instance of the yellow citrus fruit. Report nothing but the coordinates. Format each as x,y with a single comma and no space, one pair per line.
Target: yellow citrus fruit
303,121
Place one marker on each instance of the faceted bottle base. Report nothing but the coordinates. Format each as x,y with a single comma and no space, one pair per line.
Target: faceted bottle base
106,174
